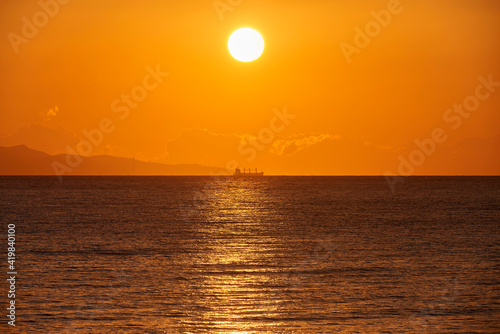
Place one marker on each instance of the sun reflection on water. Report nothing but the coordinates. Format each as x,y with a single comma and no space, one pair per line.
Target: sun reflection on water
237,293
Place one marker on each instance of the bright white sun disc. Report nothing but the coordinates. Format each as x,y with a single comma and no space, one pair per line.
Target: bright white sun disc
246,44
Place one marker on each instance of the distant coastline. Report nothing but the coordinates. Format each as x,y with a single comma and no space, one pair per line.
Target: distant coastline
21,160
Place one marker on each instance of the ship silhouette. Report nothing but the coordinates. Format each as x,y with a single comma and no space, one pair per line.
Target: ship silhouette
238,172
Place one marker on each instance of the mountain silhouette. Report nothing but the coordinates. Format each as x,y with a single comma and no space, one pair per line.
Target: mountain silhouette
22,160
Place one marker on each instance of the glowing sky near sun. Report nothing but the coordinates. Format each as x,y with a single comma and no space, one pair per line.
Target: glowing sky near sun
353,115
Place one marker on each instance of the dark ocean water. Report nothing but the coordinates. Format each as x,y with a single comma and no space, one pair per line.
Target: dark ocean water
263,255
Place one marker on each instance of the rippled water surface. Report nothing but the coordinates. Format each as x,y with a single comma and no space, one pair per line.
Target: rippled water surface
260,255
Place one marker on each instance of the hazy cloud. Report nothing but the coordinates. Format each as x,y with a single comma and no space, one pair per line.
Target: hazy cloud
49,114
40,137
298,143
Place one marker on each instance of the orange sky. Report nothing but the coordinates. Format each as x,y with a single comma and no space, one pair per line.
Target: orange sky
356,117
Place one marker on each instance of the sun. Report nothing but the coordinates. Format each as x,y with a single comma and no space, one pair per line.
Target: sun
246,44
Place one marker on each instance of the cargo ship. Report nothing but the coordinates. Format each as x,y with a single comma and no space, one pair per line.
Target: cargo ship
238,172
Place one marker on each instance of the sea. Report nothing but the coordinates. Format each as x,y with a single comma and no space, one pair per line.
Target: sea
271,254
